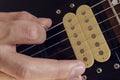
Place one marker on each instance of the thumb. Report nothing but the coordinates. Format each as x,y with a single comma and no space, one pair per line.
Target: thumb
70,69
26,68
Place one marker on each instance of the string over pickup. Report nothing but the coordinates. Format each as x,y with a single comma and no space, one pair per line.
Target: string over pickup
93,34
86,37
77,39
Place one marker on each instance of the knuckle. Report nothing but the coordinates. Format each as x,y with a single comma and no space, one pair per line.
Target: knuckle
22,14
4,31
42,35
25,73
31,32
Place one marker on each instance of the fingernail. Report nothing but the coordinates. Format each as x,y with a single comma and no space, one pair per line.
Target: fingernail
77,70
45,27
46,21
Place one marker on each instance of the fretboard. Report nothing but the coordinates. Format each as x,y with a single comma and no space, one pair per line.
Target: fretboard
113,5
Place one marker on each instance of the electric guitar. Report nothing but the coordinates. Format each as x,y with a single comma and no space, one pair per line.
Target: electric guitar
86,30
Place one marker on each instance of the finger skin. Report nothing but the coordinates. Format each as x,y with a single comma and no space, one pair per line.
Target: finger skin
24,28
26,32
4,76
22,32
26,68
12,16
44,22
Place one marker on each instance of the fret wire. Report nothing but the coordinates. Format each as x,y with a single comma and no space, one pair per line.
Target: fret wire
66,38
114,11
64,29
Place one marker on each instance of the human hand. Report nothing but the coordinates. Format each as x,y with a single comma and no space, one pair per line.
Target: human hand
24,28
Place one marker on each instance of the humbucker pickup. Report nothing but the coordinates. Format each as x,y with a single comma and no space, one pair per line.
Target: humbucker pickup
86,37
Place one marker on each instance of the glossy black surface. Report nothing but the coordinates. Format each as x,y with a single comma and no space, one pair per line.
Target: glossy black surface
47,8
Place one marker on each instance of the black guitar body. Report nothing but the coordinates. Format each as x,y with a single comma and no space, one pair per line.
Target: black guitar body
56,9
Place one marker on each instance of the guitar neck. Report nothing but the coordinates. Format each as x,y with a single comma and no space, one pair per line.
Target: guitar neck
114,9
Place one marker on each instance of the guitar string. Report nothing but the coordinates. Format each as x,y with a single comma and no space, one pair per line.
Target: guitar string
81,21
61,42
76,24
111,51
83,42
62,22
71,47
61,31
73,18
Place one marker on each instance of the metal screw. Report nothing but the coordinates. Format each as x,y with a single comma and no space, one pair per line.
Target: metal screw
86,20
69,20
83,12
75,35
93,36
97,44
85,59
116,66
99,70
72,27
72,5
78,42
84,77
82,51
90,28
101,52
58,11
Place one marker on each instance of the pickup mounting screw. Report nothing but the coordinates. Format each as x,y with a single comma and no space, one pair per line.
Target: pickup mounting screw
72,5
116,66
84,77
99,70
58,11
